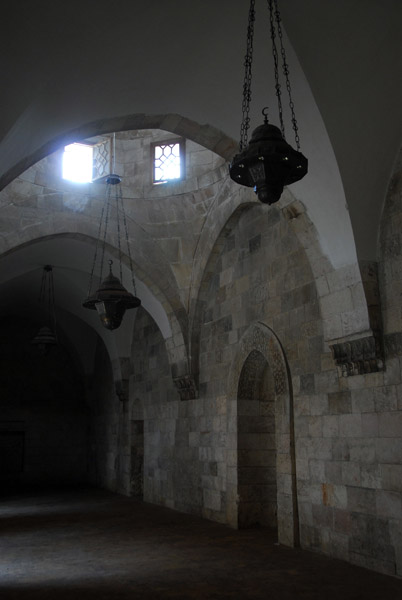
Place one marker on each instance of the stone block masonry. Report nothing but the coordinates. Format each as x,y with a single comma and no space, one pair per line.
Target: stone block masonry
293,437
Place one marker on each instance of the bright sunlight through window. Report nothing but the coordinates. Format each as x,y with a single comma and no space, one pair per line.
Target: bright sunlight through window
167,162
78,163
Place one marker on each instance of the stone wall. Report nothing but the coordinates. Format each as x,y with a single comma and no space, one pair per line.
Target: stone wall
172,474
347,429
223,266
345,469
387,420
134,163
188,444
105,454
249,285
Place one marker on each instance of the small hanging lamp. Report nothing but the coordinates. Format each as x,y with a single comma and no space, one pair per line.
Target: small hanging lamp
47,334
268,162
111,299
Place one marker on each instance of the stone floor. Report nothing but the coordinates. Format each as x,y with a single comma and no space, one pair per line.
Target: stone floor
92,544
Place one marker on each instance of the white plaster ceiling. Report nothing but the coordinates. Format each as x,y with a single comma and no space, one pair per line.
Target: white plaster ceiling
67,64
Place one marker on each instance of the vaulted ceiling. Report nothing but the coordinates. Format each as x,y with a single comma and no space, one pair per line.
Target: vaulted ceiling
66,65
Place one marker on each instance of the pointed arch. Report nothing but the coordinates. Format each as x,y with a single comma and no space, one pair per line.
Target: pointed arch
151,268
261,338
206,135
223,216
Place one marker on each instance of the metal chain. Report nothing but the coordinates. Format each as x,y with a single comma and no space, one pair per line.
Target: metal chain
276,63
105,231
285,68
104,220
276,31
48,302
248,61
120,209
119,196
52,302
128,246
42,292
96,247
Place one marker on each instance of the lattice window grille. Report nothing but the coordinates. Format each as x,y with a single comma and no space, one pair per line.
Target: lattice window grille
168,161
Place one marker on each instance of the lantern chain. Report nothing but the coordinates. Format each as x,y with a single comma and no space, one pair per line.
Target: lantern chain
285,68
128,247
248,61
105,230
276,32
47,298
104,220
119,198
276,65
96,248
52,309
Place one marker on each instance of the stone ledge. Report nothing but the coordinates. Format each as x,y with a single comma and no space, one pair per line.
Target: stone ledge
358,356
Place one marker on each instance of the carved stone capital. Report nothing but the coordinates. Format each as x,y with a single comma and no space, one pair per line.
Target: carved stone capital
121,388
186,387
358,356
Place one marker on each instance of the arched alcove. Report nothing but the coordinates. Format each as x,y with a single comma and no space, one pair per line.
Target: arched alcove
261,347
256,444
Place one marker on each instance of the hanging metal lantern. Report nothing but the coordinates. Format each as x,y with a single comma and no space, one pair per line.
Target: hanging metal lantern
268,162
47,334
45,337
111,299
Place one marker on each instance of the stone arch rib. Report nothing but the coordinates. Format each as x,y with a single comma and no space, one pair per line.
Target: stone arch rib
218,226
205,135
161,284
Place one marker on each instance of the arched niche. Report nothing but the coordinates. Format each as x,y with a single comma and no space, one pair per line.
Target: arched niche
256,444
261,342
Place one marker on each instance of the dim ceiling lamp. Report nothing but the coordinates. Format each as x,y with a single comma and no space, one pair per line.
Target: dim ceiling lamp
267,162
111,298
47,334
